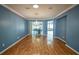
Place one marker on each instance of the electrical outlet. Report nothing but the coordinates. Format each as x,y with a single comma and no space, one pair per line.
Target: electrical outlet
3,45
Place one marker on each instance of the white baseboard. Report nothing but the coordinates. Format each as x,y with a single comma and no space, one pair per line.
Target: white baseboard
59,38
72,49
13,44
67,45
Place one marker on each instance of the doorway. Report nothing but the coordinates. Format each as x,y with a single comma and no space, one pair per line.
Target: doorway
37,28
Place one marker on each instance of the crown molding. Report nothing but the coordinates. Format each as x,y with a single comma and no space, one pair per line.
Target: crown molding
65,10
9,8
12,10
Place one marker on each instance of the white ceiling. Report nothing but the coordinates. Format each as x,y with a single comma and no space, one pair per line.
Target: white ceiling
45,11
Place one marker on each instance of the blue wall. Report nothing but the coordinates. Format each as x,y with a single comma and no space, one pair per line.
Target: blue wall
71,27
61,27
12,27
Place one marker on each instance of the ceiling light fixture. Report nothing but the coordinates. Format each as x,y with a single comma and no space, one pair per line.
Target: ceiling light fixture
35,6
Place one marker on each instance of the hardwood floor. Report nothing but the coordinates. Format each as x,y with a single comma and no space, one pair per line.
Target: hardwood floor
39,46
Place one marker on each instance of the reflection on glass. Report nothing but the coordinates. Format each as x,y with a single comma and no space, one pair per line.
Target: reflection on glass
50,37
37,28
50,32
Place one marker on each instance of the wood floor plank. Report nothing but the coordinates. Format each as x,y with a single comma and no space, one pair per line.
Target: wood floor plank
39,46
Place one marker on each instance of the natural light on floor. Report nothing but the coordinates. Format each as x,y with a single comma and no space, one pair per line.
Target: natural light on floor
37,30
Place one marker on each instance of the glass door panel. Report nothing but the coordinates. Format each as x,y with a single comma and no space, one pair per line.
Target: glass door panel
49,32
37,28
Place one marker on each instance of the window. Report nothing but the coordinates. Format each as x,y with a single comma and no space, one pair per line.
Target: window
50,25
49,32
37,27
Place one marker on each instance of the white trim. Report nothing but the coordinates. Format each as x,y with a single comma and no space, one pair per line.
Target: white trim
13,44
72,49
67,45
9,8
60,39
65,10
